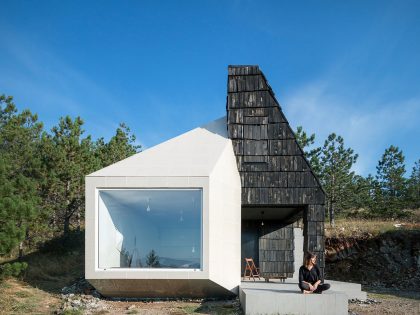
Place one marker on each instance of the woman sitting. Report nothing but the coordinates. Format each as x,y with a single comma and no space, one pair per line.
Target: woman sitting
309,276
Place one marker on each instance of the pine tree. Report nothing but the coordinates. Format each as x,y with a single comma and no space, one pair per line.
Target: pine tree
119,147
413,194
19,174
306,143
68,158
335,163
152,260
393,185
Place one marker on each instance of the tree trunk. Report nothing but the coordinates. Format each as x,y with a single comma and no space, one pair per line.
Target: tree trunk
66,225
78,221
20,250
67,214
331,212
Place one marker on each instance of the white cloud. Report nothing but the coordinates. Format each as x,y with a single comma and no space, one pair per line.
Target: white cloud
366,126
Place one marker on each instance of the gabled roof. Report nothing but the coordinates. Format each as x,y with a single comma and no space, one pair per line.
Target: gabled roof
194,153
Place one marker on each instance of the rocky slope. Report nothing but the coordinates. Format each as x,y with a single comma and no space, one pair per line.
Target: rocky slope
390,260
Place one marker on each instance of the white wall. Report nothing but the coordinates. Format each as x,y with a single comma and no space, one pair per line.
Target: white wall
225,222
298,251
202,158
110,245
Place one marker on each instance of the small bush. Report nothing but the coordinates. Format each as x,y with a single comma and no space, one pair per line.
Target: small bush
12,270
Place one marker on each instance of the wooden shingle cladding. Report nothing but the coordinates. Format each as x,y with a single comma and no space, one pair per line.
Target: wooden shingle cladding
276,245
271,246
272,166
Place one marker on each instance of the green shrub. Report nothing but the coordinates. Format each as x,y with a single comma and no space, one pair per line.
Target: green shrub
13,269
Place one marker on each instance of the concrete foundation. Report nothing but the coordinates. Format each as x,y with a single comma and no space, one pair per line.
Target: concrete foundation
274,297
161,288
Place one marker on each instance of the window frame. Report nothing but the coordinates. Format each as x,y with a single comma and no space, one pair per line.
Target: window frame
162,270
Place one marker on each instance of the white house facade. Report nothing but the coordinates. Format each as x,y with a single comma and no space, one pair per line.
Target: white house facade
180,199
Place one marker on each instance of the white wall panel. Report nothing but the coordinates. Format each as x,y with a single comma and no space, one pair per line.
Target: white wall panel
225,222
202,158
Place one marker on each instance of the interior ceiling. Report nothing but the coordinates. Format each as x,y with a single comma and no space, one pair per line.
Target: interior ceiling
270,213
161,201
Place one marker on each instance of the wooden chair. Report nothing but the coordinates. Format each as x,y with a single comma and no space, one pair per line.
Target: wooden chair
250,268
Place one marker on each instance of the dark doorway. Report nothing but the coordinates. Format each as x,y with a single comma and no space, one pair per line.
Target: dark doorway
250,242
269,240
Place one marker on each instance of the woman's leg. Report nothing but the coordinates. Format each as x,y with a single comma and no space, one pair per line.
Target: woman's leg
322,287
304,287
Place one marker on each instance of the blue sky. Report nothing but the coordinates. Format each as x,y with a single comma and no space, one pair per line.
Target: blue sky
350,67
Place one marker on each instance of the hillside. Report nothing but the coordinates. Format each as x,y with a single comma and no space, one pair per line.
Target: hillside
383,256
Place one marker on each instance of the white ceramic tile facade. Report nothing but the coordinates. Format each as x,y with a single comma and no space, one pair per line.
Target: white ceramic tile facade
202,158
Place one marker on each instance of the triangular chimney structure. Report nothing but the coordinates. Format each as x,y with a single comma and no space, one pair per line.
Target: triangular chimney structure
275,175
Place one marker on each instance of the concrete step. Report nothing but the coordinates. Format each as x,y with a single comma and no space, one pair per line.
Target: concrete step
353,290
265,301
277,297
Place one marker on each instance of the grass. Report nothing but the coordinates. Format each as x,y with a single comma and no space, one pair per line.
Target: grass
37,292
52,272
389,294
216,308
72,312
16,297
363,228
189,309
58,263
23,294
4,285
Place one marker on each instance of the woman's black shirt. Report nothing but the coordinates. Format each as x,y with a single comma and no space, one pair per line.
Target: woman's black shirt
310,276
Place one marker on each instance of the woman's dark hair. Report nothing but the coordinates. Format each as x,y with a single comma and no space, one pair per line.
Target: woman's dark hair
308,257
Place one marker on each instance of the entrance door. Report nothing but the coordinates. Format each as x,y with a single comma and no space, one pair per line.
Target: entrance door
249,242
276,245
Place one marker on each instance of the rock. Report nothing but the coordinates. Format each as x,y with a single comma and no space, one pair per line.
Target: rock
131,307
229,305
364,302
76,303
384,249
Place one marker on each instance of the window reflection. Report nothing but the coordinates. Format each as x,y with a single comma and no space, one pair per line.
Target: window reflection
150,228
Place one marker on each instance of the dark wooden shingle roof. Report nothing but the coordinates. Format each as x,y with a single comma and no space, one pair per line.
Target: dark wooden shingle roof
272,166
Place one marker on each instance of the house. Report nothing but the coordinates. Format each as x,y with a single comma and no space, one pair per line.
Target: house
178,219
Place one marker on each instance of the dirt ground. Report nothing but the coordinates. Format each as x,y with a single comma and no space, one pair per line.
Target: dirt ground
404,302
17,297
174,308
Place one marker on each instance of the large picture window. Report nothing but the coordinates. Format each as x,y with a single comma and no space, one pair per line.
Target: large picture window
150,228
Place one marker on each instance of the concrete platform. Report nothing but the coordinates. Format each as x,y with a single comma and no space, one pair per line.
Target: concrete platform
353,290
275,297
